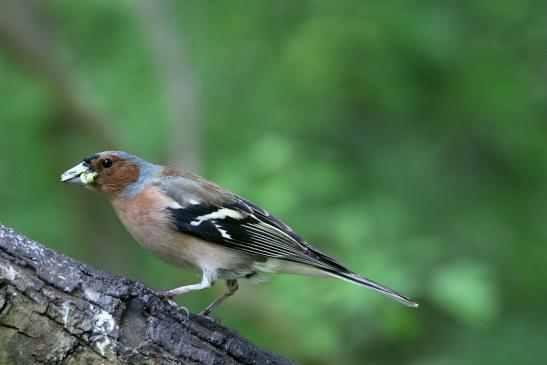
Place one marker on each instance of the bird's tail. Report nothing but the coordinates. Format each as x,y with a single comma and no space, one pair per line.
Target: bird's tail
361,281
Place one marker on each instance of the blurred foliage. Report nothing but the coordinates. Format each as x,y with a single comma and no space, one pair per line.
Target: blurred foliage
407,139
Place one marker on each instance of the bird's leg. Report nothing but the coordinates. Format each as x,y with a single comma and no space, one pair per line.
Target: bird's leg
206,282
231,288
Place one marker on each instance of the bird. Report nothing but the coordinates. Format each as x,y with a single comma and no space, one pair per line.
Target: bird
195,224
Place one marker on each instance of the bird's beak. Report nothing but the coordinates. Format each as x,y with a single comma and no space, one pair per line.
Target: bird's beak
81,174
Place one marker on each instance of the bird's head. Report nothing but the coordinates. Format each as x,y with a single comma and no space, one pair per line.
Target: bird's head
112,173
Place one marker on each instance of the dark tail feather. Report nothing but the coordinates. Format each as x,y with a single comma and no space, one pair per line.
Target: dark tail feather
361,281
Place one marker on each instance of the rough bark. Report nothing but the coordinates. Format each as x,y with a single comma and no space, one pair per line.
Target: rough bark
56,310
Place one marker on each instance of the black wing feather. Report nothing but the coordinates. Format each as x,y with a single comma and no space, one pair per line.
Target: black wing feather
309,250
256,232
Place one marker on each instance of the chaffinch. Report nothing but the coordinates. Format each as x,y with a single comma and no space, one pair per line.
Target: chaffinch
193,223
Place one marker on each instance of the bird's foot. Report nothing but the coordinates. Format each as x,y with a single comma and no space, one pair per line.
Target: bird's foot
206,315
167,295
180,307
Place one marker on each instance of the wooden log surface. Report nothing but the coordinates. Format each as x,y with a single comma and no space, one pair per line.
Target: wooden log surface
57,310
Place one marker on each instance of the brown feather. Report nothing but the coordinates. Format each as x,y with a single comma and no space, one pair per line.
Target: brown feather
111,181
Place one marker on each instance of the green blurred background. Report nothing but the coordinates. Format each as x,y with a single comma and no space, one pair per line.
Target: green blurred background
408,139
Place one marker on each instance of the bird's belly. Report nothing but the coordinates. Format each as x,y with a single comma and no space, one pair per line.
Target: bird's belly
197,255
174,252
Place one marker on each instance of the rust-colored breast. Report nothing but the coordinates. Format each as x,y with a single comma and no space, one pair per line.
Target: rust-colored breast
146,218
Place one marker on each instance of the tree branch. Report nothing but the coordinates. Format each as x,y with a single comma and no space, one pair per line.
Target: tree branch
56,310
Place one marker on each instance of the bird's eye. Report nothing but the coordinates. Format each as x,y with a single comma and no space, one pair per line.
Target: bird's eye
106,163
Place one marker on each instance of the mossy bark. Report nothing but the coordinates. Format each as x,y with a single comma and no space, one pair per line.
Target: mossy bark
56,310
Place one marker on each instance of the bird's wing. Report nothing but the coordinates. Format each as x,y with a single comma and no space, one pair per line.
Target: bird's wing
238,224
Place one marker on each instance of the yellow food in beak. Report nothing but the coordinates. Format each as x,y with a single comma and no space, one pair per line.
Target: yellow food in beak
87,178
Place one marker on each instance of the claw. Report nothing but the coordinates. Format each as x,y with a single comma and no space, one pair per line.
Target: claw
179,307
182,308
167,296
208,317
